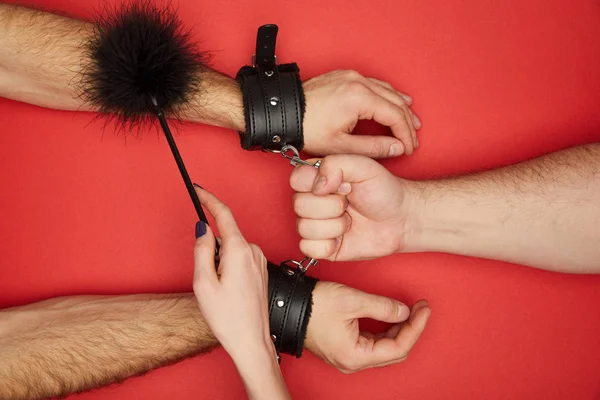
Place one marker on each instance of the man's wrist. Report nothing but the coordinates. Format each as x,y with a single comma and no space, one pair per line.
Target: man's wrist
447,216
430,220
413,209
218,102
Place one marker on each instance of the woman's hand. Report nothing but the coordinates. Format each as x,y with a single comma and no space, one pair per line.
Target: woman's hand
233,300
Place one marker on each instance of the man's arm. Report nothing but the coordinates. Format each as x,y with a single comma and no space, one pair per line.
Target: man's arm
543,213
42,56
71,344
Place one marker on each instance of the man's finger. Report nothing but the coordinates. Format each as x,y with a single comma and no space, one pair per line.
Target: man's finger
307,205
387,113
302,178
392,350
399,100
411,121
315,229
338,169
224,219
388,93
414,327
382,308
372,146
389,86
323,249
204,256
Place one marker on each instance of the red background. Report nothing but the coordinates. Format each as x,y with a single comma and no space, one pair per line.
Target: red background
493,82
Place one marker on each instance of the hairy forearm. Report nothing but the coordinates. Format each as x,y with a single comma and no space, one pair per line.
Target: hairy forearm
43,56
543,213
71,344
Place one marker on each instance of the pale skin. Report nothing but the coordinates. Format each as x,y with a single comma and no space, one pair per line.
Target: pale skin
73,344
542,213
77,343
42,56
233,301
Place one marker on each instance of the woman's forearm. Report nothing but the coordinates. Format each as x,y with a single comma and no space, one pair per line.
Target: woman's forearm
261,374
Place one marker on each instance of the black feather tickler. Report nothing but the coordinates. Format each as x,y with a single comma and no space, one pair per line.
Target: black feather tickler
141,65
141,50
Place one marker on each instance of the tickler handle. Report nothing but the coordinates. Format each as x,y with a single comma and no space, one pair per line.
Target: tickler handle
182,170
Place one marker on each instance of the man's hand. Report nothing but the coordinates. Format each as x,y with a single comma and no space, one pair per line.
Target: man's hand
351,208
337,100
47,74
334,334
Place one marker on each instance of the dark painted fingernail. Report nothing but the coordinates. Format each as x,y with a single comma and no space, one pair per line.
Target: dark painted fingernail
200,229
198,186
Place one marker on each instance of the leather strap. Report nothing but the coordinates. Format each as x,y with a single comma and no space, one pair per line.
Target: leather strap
265,45
273,98
290,305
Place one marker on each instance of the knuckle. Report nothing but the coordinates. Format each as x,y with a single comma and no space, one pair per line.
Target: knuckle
247,252
308,249
341,204
256,250
330,247
388,307
222,210
351,74
200,248
237,242
297,203
349,364
346,222
199,286
377,149
354,90
387,84
294,179
301,227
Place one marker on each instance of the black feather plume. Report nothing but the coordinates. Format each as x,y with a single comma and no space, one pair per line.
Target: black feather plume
141,51
142,65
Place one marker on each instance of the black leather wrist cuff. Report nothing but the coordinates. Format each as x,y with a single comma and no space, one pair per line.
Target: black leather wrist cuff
273,98
290,305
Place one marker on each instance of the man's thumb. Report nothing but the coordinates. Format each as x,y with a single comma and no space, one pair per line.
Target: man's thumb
338,172
373,146
383,309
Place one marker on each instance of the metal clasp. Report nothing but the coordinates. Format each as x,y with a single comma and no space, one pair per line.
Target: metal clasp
304,264
294,157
